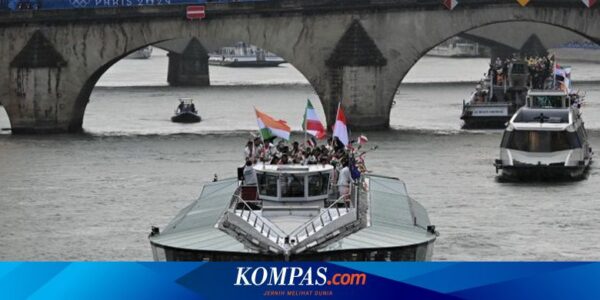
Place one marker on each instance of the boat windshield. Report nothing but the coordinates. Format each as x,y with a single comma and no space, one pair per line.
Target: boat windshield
547,101
318,184
292,186
540,141
267,184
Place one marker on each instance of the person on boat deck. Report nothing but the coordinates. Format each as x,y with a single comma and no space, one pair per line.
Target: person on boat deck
249,174
250,151
193,107
338,145
284,160
344,180
181,106
295,148
329,145
258,148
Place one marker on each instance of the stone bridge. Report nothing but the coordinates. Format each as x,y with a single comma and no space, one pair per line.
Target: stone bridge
354,51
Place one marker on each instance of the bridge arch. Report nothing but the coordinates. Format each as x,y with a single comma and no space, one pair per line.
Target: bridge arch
209,43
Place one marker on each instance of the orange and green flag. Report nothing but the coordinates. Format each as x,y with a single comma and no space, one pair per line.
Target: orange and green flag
270,128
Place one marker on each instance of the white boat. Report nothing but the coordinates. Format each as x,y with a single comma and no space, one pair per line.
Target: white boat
456,47
244,55
546,139
295,213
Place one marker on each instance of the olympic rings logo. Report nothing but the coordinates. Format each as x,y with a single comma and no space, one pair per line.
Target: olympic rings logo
79,3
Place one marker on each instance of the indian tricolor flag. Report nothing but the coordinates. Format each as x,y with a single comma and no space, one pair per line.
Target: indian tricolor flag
270,127
311,124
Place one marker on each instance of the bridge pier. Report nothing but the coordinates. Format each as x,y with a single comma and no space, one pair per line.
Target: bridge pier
357,79
361,91
42,91
189,68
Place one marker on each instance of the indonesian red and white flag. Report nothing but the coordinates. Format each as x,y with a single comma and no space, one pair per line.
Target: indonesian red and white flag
589,3
311,124
340,129
450,4
362,139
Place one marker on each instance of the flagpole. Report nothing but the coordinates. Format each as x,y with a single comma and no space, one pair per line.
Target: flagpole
304,125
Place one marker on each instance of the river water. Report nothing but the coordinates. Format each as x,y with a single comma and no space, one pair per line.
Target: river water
94,196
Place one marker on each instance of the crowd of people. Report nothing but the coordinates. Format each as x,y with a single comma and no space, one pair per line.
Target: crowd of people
347,160
540,68
333,152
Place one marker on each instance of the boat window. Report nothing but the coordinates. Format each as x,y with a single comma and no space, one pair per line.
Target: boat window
542,141
318,184
546,101
506,139
267,184
292,186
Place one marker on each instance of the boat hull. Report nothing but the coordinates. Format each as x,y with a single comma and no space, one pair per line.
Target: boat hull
246,64
419,252
470,122
186,117
543,172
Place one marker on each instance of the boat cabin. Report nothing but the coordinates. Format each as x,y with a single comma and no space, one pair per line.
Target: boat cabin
296,189
293,183
548,99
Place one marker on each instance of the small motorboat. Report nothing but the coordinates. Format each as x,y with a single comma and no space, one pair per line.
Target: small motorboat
186,112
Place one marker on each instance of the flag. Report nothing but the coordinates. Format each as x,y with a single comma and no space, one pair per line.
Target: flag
589,3
362,139
523,2
270,127
311,124
354,171
340,129
450,4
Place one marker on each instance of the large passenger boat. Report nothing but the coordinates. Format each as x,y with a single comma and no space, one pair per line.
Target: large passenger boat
498,96
294,212
546,139
244,55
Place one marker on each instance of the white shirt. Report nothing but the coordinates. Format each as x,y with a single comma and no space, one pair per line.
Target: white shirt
345,178
250,176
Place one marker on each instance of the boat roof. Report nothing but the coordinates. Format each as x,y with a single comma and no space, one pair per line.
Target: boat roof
547,93
533,115
553,119
293,168
392,221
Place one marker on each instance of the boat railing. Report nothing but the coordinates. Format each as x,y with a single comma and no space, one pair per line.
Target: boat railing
247,214
330,214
